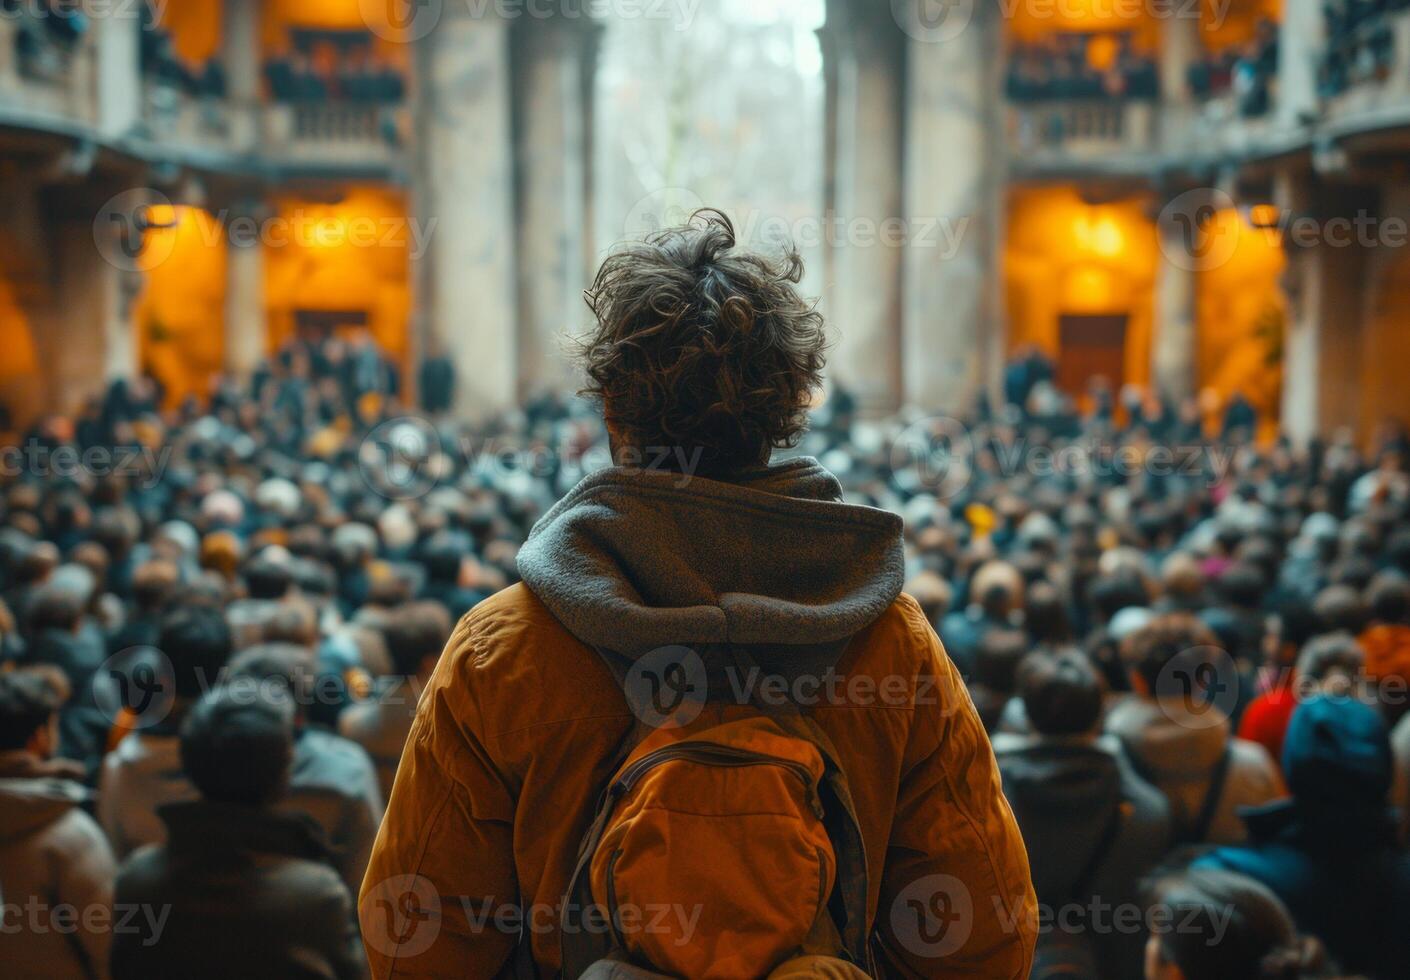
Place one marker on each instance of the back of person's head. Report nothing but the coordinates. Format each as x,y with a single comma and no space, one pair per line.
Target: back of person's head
197,642
415,633
997,658
1224,926
998,588
1114,592
1148,651
55,607
294,621
153,582
703,347
1241,585
266,578
1331,658
1045,615
1182,578
1388,599
387,586
1061,692
29,700
283,666
1339,607
237,743
442,558
933,593
1337,753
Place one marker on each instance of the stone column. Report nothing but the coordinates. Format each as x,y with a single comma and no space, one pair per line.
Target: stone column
1300,44
553,126
118,71
953,193
465,185
1324,286
85,339
1179,48
867,230
1173,346
241,52
246,329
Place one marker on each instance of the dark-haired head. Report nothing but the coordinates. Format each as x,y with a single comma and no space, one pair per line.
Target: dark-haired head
237,743
702,347
1217,925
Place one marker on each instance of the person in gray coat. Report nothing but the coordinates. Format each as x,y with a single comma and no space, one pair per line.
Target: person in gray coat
56,869
1092,826
248,890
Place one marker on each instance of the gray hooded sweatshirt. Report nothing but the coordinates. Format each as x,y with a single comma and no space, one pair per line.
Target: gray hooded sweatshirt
632,560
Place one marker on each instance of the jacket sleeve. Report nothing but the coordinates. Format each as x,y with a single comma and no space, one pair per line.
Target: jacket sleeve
86,875
956,897
440,897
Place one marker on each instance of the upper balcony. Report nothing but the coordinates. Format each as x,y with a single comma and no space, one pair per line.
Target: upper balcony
48,77
327,103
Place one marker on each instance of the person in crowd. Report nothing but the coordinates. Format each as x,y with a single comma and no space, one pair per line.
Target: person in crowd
153,584
1331,662
723,547
1329,850
415,634
332,779
244,889
1093,827
53,856
144,772
1216,925
996,592
1177,734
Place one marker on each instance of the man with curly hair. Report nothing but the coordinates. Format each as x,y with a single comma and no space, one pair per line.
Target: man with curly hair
696,546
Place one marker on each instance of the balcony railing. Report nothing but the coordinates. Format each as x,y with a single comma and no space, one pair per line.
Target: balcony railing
174,116
349,134
1080,130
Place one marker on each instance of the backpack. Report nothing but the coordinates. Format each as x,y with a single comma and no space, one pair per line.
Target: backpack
724,847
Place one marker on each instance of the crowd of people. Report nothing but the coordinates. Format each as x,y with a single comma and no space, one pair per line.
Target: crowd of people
1191,652
322,70
1360,43
1062,67
1248,70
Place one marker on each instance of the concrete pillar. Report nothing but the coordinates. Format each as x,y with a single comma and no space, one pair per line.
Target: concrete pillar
118,69
1324,287
246,329
465,185
241,52
1173,349
953,207
1300,44
86,339
553,153
868,231
1179,48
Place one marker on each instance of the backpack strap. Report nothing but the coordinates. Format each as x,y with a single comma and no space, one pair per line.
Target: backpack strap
1217,778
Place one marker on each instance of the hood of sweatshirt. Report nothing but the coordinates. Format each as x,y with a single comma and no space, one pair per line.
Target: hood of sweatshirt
635,559
1169,741
28,805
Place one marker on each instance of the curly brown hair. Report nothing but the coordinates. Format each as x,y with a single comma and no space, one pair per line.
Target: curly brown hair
703,348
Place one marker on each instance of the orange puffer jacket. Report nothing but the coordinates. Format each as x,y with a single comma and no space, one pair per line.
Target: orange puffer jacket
524,723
